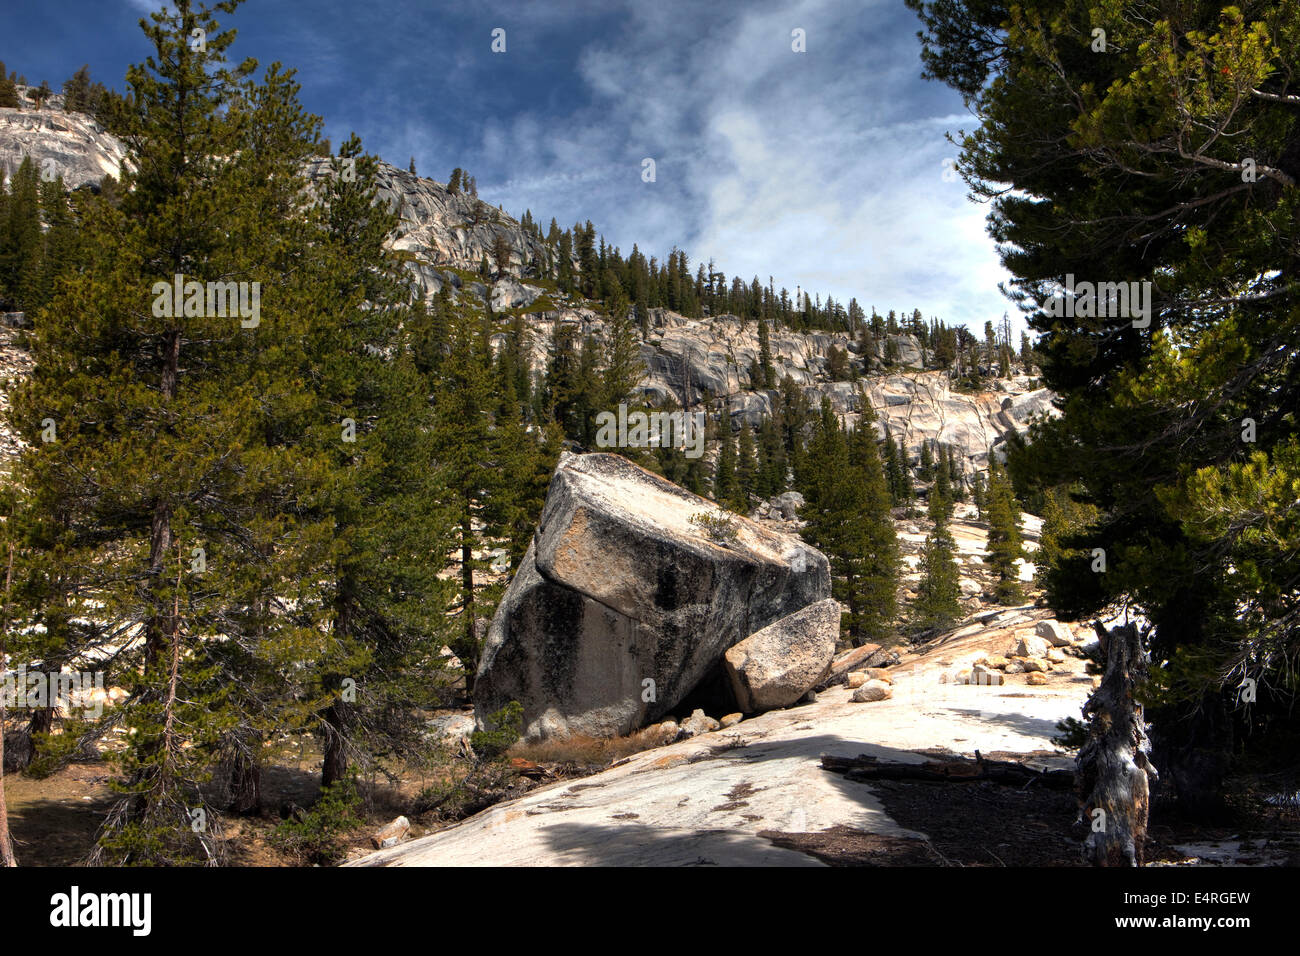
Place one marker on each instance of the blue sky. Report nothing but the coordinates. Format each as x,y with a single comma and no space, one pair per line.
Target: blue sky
823,169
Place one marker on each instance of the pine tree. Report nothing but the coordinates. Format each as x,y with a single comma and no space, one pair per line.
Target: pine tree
76,91
176,535
1004,548
377,494
938,593
848,519
746,468
772,464
726,484
8,91
765,355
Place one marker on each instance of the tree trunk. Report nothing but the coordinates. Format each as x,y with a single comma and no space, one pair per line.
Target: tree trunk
468,651
244,780
335,765
6,842
1114,772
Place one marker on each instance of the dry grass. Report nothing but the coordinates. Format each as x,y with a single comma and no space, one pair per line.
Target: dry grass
587,751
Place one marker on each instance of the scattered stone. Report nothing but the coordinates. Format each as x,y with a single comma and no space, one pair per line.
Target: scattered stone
391,835
667,731
980,674
1036,664
1036,678
1056,655
857,679
731,720
1028,646
872,690
996,662
1015,667
852,660
878,673
698,723
1056,633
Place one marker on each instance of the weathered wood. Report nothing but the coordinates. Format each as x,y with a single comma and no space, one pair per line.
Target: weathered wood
954,770
1114,770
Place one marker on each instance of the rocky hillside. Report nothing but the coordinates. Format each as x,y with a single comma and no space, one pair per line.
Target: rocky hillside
444,237
71,145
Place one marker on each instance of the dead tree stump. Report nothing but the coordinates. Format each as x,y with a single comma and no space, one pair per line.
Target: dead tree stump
1114,772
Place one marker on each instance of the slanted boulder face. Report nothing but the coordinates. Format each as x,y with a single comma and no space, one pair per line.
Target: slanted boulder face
775,667
623,604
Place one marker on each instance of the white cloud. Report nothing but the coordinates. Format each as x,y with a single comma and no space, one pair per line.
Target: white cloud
822,169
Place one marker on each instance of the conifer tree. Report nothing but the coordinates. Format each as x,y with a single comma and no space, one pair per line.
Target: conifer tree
1004,547
726,487
174,540
746,468
938,594
848,519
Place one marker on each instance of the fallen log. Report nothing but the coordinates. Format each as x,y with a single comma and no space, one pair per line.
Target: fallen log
950,770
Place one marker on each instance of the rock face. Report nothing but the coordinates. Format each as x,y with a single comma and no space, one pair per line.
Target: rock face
623,606
70,145
777,665
444,236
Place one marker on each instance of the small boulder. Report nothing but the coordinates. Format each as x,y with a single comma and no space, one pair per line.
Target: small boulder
698,723
731,720
1036,678
871,691
665,732
980,674
878,673
1036,664
1055,633
1029,646
1015,667
996,662
1056,655
391,835
857,679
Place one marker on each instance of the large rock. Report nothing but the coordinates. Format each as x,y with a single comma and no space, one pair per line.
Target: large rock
776,666
622,605
509,294
1055,633
1029,646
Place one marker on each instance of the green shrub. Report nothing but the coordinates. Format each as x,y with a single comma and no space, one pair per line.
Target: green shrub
505,727
313,836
